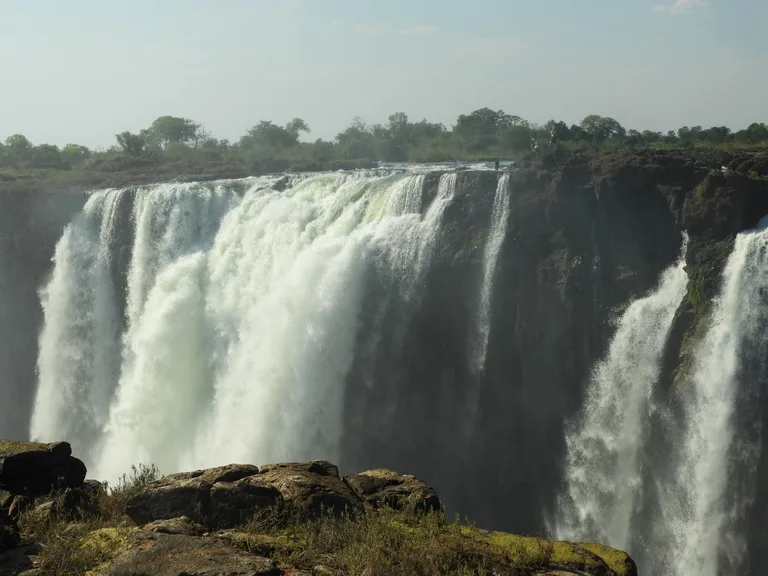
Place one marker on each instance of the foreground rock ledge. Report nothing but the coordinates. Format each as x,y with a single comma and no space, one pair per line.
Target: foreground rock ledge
202,523
33,469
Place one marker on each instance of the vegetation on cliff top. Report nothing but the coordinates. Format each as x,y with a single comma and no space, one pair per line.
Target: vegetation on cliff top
173,146
382,542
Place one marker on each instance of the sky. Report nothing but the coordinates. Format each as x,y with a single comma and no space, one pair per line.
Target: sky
84,70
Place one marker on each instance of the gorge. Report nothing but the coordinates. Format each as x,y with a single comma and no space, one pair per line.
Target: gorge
573,347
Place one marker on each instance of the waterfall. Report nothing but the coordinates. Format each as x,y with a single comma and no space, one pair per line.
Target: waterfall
710,449
496,234
603,471
242,314
704,507
79,354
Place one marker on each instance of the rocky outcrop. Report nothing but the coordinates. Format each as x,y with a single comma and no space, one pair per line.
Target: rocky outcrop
397,491
32,469
153,553
229,496
242,520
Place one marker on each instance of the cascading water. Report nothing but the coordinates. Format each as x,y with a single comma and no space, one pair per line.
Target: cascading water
704,508
710,454
602,468
496,234
79,353
241,317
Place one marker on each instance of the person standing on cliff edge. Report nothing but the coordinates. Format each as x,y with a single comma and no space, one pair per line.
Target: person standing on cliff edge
552,136
497,164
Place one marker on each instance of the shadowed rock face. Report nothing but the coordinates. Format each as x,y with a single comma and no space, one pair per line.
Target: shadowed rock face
30,225
32,469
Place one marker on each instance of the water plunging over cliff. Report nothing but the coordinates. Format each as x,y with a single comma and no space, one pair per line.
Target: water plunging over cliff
698,482
718,454
241,317
496,234
603,468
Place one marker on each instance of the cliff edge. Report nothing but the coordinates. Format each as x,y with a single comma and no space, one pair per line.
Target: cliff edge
274,520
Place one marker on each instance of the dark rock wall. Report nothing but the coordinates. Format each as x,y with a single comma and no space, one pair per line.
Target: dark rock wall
30,226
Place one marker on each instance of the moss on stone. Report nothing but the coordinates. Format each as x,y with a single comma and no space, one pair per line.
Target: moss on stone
100,547
616,560
534,552
11,447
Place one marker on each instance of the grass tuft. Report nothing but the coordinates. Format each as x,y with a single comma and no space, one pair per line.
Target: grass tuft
75,548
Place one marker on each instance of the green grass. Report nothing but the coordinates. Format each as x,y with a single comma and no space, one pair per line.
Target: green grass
389,543
383,542
74,547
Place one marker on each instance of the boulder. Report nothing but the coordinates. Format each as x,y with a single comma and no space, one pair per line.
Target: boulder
397,491
229,496
234,503
33,469
184,494
160,554
182,526
311,488
189,494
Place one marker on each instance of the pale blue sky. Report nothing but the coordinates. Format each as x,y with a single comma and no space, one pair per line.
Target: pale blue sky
84,70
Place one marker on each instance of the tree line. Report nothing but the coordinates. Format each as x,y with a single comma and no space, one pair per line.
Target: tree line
482,134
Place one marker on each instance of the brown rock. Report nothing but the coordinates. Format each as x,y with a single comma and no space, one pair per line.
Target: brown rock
311,487
234,503
397,491
171,497
227,497
182,526
189,494
157,554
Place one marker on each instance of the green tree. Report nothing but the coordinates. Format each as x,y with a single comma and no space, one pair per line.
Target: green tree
296,127
46,156
167,129
131,144
602,128
754,133
18,150
356,141
272,136
75,155
480,130
516,138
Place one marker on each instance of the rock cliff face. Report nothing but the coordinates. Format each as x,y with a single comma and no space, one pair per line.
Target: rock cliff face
586,234
245,520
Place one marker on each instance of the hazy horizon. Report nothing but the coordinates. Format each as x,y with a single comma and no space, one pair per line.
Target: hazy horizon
82,72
